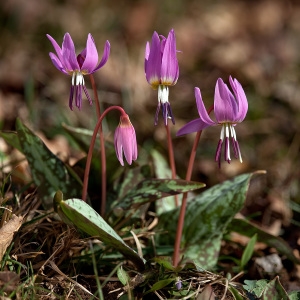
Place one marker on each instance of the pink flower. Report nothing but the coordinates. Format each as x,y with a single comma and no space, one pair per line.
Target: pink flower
85,63
162,71
229,110
125,141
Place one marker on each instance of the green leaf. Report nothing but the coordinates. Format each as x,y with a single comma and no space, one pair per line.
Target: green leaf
235,293
84,217
150,190
123,276
244,227
82,137
162,170
48,172
275,291
207,216
160,284
255,287
294,295
11,138
247,254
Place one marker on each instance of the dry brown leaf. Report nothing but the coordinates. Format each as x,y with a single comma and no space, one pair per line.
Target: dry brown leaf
7,233
9,281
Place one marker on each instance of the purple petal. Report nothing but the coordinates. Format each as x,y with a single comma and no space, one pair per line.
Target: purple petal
91,57
118,146
56,47
57,63
105,56
224,103
153,63
193,126
204,117
241,99
68,53
169,64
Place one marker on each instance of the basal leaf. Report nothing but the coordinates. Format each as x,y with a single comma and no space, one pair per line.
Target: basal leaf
294,295
84,217
275,291
153,189
11,138
206,219
246,228
247,254
48,171
160,284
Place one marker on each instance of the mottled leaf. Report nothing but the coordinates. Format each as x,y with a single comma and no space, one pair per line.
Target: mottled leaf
48,171
274,291
84,217
294,295
206,219
255,287
246,228
12,139
153,189
162,170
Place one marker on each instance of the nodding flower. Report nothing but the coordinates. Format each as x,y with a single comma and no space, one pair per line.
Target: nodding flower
162,70
229,109
125,141
85,63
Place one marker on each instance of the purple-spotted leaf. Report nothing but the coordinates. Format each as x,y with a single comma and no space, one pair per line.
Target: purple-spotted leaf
84,217
275,291
48,172
11,138
206,219
149,190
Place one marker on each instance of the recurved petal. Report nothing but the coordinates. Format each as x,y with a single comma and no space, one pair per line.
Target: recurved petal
153,63
223,103
241,99
56,47
193,126
68,53
91,56
201,108
105,56
57,63
169,64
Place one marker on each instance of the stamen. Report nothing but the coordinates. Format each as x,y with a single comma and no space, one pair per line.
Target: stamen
156,114
227,150
218,152
71,97
87,94
73,78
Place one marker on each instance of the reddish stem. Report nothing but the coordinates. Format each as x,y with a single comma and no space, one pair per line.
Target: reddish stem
102,149
176,254
171,158
90,153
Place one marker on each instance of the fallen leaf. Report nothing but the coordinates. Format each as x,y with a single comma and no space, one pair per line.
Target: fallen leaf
8,281
7,233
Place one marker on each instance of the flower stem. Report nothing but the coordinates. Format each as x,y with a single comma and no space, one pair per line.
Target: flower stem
171,158
90,153
102,149
188,177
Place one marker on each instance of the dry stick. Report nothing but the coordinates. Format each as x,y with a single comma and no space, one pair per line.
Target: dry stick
90,153
184,198
171,158
102,147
